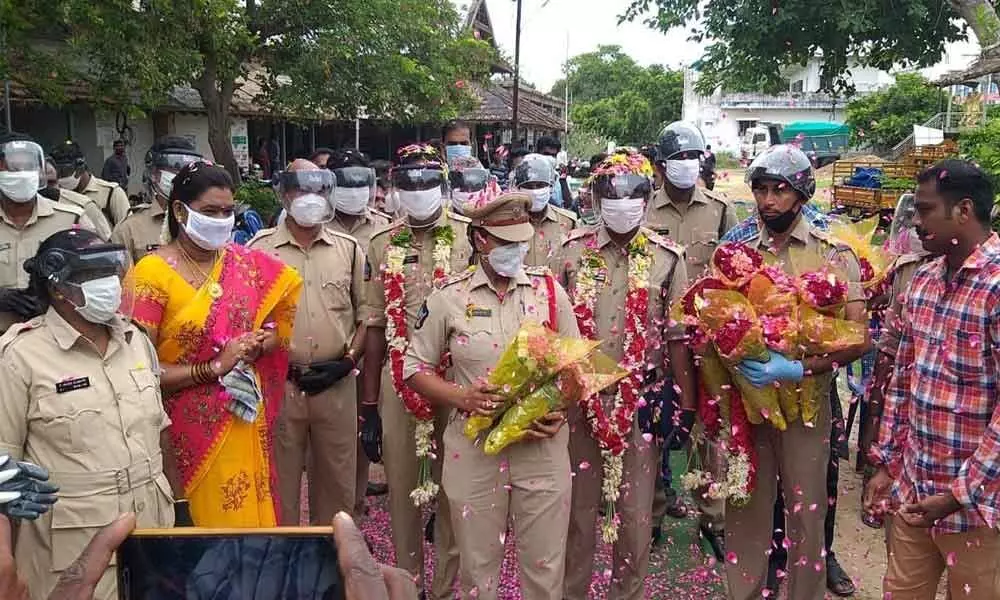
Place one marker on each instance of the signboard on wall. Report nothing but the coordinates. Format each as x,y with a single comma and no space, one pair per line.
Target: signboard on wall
238,137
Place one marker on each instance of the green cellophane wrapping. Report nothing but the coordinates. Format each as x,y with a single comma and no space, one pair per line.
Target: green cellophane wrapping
532,359
719,310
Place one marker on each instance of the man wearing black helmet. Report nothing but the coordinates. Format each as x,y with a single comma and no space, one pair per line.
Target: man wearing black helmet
697,219
782,182
140,233
74,175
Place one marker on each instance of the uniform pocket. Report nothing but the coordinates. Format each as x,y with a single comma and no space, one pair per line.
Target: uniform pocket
75,521
474,346
75,431
337,294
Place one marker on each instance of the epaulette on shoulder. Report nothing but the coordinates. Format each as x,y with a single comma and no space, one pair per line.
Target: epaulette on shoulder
18,329
138,208
717,196
263,233
68,208
389,228
457,277
104,183
579,233
341,234
663,242
539,271
453,216
568,214
380,216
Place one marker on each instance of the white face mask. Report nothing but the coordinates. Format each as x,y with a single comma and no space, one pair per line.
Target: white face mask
166,184
352,201
421,204
310,210
101,299
683,174
508,260
69,183
459,199
540,198
20,186
622,216
209,233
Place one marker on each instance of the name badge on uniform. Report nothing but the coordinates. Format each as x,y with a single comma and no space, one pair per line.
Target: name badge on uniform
152,247
477,311
662,230
69,385
410,260
601,276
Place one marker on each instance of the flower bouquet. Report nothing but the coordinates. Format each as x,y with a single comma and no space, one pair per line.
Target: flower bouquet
734,264
874,261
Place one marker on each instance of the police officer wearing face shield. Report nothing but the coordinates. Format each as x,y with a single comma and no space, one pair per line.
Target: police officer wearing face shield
469,182
320,404
53,192
535,176
798,458
434,244
143,230
26,218
600,263
81,395
76,176
353,215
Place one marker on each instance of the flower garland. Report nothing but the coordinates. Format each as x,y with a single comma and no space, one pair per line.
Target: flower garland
612,430
397,336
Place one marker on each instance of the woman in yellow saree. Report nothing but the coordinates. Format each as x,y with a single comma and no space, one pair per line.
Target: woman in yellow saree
221,318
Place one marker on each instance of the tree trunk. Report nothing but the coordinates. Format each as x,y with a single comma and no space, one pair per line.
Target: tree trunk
982,18
217,95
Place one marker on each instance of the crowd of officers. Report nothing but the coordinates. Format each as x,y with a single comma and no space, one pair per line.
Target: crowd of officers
332,426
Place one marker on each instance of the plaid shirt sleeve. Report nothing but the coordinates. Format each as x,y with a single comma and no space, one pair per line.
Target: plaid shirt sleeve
978,483
895,426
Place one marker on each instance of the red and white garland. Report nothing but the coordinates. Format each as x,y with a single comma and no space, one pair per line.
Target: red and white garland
397,338
612,430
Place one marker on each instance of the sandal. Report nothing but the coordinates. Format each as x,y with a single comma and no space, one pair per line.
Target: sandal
873,521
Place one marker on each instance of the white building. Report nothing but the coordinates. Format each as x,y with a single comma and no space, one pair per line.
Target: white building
724,116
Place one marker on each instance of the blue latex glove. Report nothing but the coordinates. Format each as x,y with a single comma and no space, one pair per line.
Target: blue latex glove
777,368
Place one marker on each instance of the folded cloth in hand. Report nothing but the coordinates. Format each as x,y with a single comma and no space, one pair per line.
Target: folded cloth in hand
244,393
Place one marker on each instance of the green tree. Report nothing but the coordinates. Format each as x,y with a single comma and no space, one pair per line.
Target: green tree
749,41
885,118
308,57
614,97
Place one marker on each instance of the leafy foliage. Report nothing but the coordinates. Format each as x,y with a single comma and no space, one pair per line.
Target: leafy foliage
982,145
308,57
616,98
259,196
749,41
885,118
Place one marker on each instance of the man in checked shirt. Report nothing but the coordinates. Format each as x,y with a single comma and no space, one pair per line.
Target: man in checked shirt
940,432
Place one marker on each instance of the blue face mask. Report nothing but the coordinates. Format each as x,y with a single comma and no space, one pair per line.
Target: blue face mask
454,152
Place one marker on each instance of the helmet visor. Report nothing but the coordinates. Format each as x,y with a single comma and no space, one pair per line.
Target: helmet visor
622,186
22,156
173,162
354,177
413,180
91,263
469,180
534,171
318,181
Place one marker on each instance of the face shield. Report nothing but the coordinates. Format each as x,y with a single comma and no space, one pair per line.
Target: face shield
621,187
469,180
903,238
417,179
23,170
535,172
75,267
355,188
163,167
292,184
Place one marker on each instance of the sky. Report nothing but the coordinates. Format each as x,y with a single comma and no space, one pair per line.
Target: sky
590,23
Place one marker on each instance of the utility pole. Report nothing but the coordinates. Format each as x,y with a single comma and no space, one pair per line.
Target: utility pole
517,76
566,90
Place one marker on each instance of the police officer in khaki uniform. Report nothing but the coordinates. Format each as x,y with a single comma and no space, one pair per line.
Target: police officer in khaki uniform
474,317
353,215
696,219
142,231
81,395
75,176
26,218
782,182
600,256
319,411
432,240
55,193
535,176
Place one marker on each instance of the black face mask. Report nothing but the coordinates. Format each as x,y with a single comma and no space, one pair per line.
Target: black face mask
782,222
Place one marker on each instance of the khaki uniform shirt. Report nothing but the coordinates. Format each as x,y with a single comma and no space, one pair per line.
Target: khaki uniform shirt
94,422
364,228
418,265
332,302
90,209
902,273
110,198
545,249
668,280
697,226
18,244
140,232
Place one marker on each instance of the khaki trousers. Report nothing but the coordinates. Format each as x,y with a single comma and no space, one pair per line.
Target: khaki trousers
917,558
711,513
799,455
527,486
326,425
630,558
400,461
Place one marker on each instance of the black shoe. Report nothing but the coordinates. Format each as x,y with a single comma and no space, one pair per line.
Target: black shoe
429,529
773,585
658,538
377,489
716,540
837,580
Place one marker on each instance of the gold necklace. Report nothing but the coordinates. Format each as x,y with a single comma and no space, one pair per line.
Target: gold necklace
214,289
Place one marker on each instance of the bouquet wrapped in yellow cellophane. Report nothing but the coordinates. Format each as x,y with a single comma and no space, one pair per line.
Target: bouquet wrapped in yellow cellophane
539,372
873,261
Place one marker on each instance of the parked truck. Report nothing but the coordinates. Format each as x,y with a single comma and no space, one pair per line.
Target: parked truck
823,141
